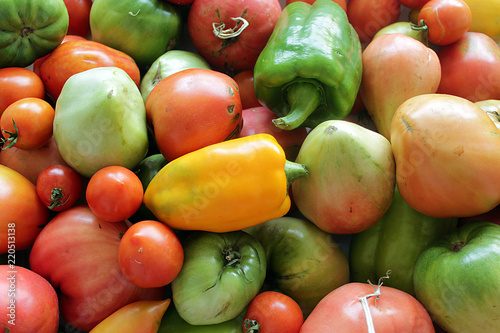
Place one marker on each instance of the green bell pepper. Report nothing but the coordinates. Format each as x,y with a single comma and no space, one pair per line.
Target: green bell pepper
395,243
310,69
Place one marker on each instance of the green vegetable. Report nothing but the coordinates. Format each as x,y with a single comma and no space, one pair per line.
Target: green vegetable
394,243
100,121
221,274
310,69
143,29
30,29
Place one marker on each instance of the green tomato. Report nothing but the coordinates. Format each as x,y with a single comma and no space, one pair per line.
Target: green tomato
394,243
30,29
170,62
457,281
304,262
406,28
221,274
173,323
142,29
100,121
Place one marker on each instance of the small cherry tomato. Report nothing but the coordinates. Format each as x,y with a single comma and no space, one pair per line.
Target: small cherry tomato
27,123
59,187
150,254
17,83
273,311
114,193
447,20
247,92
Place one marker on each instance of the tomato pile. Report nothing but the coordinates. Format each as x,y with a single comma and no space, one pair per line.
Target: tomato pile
249,166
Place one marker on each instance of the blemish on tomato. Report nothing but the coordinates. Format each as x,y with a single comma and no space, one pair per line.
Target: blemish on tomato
459,150
408,126
230,108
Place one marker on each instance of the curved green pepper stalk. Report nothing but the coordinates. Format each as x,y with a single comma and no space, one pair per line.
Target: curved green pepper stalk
304,97
295,171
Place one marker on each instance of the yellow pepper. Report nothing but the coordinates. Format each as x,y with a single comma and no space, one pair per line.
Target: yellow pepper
224,187
485,17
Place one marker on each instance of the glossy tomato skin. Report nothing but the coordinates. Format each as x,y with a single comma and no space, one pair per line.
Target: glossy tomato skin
114,193
446,20
272,311
21,219
244,80
194,108
18,83
75,56
59,187
79,16
38,62
470,68
30,163
235,54
77,252
140,316
150,254
259,120
392,312
369,16
446,171
27,123
29,303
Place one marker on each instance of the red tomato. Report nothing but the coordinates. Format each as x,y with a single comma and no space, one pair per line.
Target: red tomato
271,312
77,252
17,83
38,62
413,3
259,120
59,187
470,68
392,311
447,20
27,123
79,17
204,107
244,80
30,163
150,254
75,56
29,303
236,46
22,213
342,3
114,193
369,16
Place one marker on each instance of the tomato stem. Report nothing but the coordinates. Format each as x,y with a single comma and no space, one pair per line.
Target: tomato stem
251,326
423,28
56,196
13,136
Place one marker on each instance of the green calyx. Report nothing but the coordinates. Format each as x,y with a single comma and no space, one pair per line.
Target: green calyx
304,97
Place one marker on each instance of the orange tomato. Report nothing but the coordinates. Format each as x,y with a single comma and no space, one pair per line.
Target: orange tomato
446,150
17,83
27,123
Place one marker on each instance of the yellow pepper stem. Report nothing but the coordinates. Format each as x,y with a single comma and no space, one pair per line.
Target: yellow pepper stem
295,171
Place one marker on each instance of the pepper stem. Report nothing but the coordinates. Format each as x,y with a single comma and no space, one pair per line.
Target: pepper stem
294,171
304,98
